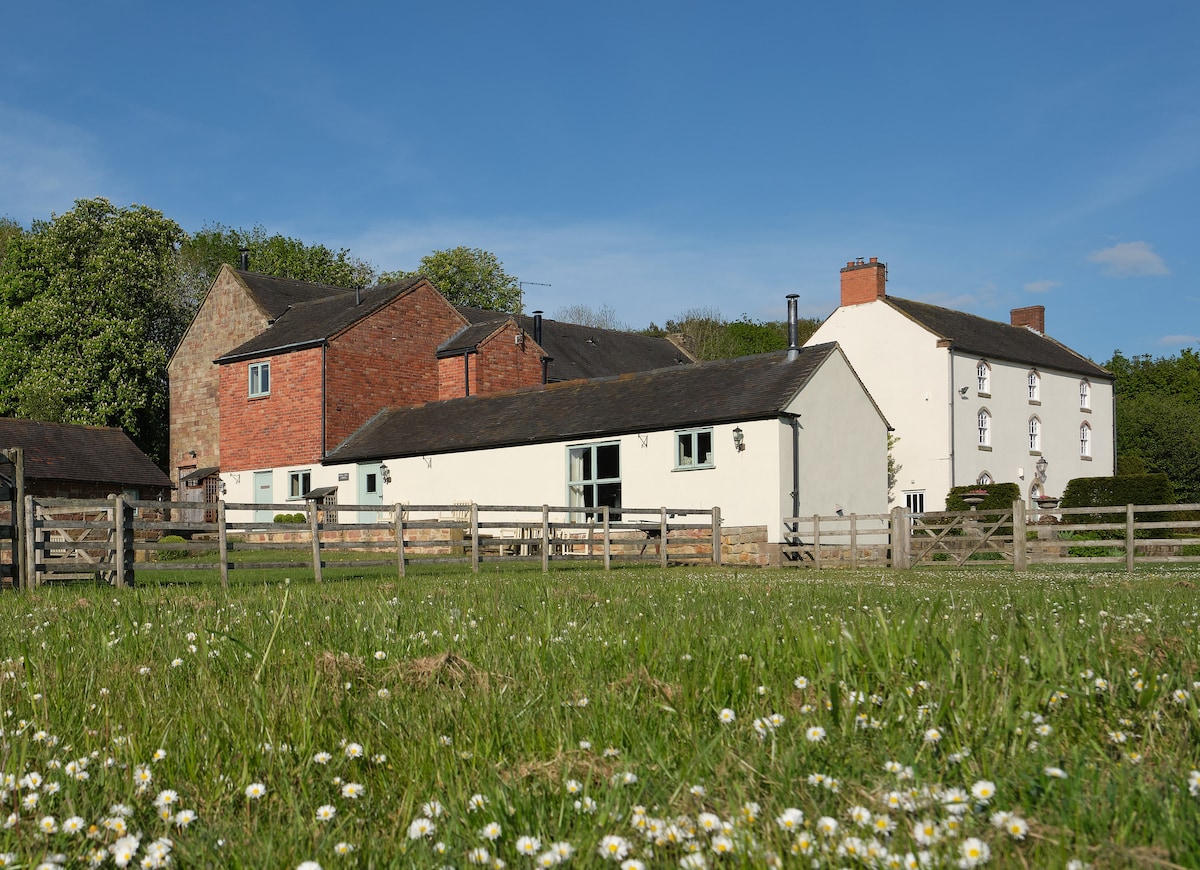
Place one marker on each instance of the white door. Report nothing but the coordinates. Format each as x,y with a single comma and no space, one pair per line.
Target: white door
263,495
370,490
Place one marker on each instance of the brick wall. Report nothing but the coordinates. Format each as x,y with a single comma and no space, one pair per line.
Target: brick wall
503,364
451,375
387,360
863,282
283,428
227,318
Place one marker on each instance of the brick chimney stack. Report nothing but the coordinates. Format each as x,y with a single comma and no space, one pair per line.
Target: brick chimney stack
1032,316
863,282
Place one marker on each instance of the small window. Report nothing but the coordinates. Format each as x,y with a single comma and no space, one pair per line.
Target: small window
983,376
985,428
1085,441
260,379
1035,386
1035,435
1085,396
914,501
299,482
693,449
984,479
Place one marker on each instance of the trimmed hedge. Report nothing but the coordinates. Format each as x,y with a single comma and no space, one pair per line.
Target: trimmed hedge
291,518
1000,497
171,555
1137,489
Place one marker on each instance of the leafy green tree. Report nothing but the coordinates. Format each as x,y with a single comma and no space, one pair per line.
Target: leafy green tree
604,317
1158,417
202,254
90,313
468,276
709,336
9,230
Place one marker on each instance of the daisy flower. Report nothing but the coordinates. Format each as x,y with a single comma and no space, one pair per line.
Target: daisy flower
255,790
353,790
326,812
613,847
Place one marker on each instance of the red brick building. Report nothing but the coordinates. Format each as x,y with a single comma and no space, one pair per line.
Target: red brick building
273,372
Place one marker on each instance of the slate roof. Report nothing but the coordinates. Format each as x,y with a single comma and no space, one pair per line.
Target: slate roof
577,351
748,388
991,338
313,321
275,295
93,454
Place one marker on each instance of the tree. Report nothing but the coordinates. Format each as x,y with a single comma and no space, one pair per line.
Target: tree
604,317
467,276
9,230
90,313
709,336
1158,417
202,254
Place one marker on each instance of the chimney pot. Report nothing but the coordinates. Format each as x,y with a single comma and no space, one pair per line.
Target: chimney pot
863,282
1032,317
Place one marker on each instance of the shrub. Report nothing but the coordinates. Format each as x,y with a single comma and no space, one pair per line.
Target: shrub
1137,489
1000,497
291,518
172,555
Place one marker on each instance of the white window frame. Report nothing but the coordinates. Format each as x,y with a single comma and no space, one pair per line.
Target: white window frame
984,479
259,376
984,427
590,491
688,455
1085,395
914,501
299,482
1035,386
1035,435
983,377
1085,441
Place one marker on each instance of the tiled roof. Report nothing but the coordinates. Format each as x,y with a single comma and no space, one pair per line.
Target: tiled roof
313,321
99,454
749,388
577,351
991,338
275,295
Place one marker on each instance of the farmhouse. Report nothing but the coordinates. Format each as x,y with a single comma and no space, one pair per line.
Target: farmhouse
66,461
273,372
972,400
762,437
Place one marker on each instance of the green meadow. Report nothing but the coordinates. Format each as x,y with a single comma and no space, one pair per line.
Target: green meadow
637,718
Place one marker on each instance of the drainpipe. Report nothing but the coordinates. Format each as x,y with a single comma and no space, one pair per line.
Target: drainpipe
466,374
324,396
953,395
794,422
546,360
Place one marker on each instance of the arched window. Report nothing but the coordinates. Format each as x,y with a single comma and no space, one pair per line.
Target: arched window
1085,441
985,428
984,479
983,376
1085,395
1035,435
1035,386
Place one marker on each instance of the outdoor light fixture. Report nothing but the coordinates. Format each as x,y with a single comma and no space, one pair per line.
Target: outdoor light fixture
222,487
1040,465
386,473
739,439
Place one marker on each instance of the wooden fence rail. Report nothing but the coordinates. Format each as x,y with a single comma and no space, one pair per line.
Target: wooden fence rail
111,539
1019,537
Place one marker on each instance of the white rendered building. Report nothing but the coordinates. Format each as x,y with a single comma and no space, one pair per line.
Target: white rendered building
971,400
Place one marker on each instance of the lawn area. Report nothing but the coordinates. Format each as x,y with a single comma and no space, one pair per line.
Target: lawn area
640,717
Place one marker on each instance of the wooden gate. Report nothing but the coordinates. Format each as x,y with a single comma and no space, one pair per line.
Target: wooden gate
959,538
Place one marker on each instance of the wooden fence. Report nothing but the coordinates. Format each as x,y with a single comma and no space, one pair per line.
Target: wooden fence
114,538
1017,536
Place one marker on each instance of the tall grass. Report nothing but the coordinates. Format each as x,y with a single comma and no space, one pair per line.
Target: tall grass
639,704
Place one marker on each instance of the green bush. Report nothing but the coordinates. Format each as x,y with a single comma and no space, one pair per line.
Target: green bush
291,518
1000,497
172,555
1136,489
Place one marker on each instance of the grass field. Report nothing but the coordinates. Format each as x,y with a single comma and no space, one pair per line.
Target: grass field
641,717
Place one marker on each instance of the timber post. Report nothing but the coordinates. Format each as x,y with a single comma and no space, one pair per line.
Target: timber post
223,544
1020,550
314,530
716,536
399,516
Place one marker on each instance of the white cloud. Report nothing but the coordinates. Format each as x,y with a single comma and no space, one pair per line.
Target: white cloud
1042,286
1129,259
1178,340
45,165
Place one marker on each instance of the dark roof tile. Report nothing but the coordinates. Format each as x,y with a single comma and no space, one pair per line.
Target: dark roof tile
99,454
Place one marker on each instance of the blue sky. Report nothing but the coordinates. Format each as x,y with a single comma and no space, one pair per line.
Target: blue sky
653,156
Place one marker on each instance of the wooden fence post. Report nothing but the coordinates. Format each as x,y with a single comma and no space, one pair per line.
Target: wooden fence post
399,537
475,537
545,538
716,535
118,552
31,544
854,541
223,544
607,538
1129,538
817,541
662,532
314,530
901,554
21,575
1020,555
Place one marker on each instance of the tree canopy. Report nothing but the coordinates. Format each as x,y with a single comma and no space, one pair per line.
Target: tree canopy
711,336
1158,417
468,276
91,312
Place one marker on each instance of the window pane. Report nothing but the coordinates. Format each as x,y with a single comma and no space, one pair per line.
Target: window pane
704,447
608,462
685,453
372,483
